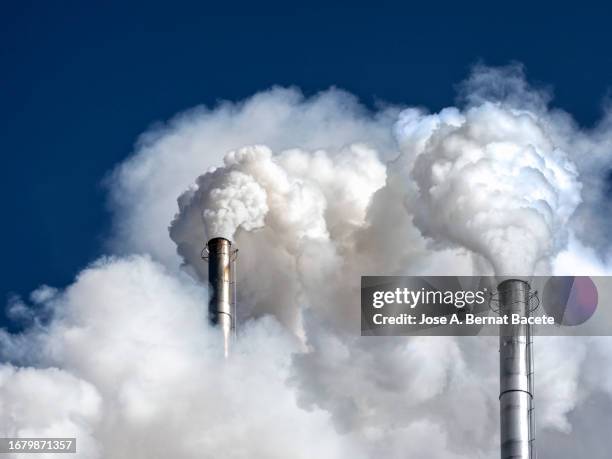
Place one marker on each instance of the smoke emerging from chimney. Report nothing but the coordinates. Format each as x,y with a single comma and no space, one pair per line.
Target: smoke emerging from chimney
316,192
491,179
291,192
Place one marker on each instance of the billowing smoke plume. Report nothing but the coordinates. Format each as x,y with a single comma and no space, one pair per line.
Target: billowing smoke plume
492,180
315,193
295,192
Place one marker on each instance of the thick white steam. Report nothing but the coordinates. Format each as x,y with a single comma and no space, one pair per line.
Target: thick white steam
141,375
491,179
299,194
316,192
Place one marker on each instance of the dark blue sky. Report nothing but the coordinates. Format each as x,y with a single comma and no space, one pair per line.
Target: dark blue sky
79,82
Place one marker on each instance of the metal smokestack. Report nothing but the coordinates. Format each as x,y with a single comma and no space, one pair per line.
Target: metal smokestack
517,421
221,308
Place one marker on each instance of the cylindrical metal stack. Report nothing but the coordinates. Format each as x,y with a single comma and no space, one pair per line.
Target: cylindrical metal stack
220,308
516,373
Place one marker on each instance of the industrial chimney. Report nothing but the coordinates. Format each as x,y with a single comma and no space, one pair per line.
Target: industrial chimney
517,421
221,308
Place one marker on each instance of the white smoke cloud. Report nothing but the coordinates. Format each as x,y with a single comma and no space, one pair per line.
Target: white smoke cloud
293,191
490,179
141,375
48,403
315,193
144,189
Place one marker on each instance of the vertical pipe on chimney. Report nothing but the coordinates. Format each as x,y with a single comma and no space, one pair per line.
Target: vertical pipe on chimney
220,308
516,373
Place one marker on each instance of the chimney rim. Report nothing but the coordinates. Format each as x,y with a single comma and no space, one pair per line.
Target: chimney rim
513,280
218,238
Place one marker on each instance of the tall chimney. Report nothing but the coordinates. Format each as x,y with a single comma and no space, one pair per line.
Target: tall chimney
517,421
221,306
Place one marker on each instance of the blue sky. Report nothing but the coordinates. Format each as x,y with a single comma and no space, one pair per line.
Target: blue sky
80,82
